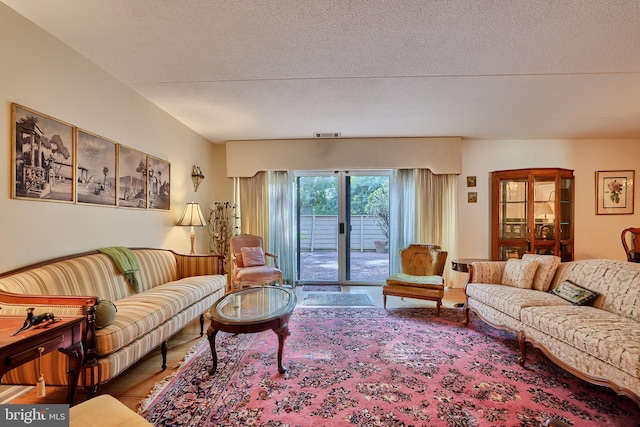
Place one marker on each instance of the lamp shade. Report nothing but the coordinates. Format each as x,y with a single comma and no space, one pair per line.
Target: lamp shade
192,216
543,208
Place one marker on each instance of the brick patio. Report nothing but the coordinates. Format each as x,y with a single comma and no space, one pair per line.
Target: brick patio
323,266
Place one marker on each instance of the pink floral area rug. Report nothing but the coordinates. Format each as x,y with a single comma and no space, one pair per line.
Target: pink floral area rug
376,367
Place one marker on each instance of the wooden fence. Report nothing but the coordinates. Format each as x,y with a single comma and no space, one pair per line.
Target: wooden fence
320,233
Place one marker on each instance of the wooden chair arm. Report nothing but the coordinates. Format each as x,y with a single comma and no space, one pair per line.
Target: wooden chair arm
275,259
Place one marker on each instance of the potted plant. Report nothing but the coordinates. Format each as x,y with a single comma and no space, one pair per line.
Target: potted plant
222,224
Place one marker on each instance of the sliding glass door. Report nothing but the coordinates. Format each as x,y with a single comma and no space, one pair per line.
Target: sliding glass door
342,227
317,212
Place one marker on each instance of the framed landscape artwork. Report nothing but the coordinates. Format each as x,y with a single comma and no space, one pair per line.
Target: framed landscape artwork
56,161
42,157
158,183
614,192
96,170
132,178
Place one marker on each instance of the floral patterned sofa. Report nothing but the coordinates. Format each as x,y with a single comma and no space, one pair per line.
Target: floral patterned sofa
598,341
172,291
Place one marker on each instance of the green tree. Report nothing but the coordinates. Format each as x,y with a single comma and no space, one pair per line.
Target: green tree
361,188
378,205
318,195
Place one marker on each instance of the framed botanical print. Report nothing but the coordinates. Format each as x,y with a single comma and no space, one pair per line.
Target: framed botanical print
97,169
42,157
614,192
158,183
132,178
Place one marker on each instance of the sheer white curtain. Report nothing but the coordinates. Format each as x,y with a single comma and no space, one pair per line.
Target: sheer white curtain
281,226
402,203
436,212
265,206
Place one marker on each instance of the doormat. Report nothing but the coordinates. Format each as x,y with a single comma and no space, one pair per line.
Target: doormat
338,300
322,288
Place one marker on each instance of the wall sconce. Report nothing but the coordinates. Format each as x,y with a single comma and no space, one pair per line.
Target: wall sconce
192,217
197,177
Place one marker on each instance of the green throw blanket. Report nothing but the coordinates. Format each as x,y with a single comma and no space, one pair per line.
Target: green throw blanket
126,263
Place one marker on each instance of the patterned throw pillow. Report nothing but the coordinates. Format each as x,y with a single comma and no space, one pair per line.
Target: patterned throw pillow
252,256
575,294
519,273
547,266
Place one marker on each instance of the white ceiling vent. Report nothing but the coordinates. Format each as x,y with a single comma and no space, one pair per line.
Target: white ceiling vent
327,134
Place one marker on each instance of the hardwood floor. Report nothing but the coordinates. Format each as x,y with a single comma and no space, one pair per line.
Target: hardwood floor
135,383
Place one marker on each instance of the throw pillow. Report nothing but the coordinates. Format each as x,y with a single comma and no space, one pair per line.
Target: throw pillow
547,266
252,256
105,313
519,273
575,294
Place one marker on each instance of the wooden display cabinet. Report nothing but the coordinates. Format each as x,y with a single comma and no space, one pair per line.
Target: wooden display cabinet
532,211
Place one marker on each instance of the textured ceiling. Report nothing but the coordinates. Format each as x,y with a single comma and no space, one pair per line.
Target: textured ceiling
264,69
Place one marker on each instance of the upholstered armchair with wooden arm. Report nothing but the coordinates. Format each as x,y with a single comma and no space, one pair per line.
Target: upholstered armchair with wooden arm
421,277
249,262
631,243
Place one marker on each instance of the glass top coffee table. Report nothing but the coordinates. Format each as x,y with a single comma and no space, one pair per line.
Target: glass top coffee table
252,310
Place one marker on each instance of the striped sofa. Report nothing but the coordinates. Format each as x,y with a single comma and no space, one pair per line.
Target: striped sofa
598,343
174,290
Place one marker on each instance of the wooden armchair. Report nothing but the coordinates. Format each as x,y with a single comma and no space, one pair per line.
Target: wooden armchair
249,262
421,277
631,243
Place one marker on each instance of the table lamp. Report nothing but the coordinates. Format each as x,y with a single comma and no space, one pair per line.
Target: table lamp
192,217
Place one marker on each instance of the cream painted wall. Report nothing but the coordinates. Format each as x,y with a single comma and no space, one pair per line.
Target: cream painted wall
41,73
596,236
223,185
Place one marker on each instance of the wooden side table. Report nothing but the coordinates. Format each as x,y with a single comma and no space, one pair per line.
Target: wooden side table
64,336
462,265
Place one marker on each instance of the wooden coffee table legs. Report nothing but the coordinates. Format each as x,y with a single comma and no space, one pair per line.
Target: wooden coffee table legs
212,343
282,332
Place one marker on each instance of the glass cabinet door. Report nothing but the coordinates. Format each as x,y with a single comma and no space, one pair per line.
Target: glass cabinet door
565,211
513,214
544,215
